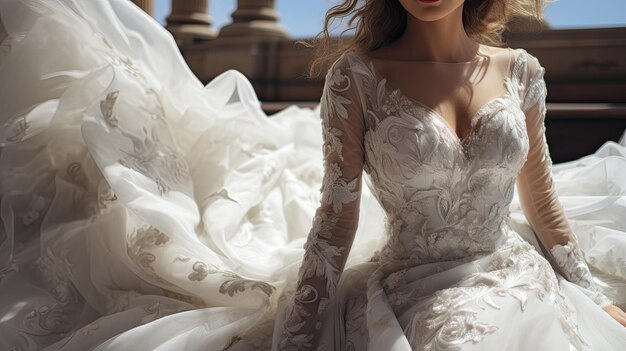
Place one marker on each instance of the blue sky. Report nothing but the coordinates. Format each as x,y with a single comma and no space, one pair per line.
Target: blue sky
304,18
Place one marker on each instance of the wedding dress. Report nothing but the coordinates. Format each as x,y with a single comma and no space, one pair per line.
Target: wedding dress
142,210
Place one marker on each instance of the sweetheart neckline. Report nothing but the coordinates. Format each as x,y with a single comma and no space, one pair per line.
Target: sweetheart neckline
475,117
444,124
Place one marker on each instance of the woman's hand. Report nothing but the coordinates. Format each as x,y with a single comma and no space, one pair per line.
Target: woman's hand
616,313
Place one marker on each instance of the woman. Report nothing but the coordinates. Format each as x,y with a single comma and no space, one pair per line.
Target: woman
453,272
144,211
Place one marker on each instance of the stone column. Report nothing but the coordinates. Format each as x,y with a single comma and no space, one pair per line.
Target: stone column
189,21
254,19
145,5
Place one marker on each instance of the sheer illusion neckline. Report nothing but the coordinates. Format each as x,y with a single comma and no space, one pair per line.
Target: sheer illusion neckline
506,94
476,58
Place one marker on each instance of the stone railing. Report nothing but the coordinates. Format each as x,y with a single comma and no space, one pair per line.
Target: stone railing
585,68
190,22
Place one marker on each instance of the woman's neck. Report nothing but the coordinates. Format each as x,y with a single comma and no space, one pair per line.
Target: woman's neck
443,40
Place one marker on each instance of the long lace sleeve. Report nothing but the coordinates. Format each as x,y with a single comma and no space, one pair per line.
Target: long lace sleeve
336,219
538,197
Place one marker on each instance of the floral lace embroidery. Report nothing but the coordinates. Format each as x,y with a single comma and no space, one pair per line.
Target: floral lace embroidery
46,320
139,248
150,156
236,283
319,252
307,306
568,257
332,100
572,263
536,96
239,284
106,196
356,321
341,191
58,272
106,107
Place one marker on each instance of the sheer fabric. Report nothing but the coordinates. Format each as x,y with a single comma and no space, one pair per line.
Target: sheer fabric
336,219
538,196
142,210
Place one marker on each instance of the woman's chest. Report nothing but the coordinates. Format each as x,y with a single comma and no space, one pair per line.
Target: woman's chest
407,142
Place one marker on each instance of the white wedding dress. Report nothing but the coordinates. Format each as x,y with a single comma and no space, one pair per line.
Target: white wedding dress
142,210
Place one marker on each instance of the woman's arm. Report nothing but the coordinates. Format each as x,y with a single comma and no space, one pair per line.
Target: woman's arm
539,200
336,219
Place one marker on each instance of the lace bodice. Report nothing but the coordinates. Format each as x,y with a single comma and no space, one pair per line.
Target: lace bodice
445,197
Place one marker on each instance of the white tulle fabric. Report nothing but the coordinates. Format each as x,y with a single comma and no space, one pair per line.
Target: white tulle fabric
142,210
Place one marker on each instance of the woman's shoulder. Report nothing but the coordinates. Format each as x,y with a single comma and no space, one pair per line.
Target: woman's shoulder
530,64
349,65
520,55
346,61
530,74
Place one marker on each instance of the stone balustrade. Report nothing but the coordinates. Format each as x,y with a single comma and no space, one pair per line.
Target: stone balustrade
256,19
189,22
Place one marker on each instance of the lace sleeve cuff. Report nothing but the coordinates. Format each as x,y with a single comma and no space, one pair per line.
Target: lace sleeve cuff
575,269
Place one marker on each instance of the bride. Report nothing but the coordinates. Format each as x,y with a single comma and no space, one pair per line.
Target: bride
143,211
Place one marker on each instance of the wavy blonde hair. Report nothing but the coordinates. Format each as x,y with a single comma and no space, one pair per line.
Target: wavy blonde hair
380,22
